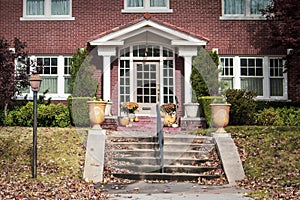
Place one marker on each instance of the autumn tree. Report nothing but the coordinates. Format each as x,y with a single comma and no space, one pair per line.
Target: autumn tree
284,25
13,69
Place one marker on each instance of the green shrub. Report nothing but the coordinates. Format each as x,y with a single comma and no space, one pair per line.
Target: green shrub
260,105
205,109
242,108
278,117
51,115
79,111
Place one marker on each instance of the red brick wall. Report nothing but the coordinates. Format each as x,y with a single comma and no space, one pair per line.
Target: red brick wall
94,17
114,87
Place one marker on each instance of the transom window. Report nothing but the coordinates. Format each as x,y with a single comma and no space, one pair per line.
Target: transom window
47,10
147,5
243,9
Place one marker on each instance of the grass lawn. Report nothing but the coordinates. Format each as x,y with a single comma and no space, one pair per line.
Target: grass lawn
60,156
270,157
271,160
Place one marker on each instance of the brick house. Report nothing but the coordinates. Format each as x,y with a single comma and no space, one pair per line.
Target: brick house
154,41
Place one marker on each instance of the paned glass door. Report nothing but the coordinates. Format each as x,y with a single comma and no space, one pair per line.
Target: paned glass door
147,86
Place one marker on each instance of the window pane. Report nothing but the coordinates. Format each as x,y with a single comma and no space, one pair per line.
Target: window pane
158,3
35,7
258,5
276,87
233,6
253,84
60,7
67,85
49,83
135,3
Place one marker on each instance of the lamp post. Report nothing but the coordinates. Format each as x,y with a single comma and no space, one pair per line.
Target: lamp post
35,81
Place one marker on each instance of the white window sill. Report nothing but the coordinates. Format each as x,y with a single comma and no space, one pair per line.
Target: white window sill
43,18
232,17
143,10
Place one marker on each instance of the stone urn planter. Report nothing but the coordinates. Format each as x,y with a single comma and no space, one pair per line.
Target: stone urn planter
96,113
192,110
220,116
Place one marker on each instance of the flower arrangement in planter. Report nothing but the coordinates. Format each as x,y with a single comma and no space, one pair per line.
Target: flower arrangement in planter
168,108
129,107
169,113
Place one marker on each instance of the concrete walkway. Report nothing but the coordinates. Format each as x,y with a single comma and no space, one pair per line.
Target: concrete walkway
175,191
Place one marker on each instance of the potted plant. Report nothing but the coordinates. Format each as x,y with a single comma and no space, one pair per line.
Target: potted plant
96,109
220,114
130,108
169,111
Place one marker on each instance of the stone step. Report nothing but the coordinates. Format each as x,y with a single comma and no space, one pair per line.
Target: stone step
135,137
167,146
167,168
171,154
168,161
165,176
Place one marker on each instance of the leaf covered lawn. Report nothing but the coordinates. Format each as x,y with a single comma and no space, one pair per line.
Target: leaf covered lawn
60,156
271,160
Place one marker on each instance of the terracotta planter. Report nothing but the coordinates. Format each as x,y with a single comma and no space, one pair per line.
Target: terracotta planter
96,113
220,116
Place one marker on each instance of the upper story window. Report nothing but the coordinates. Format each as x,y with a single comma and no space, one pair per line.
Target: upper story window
141,6
47,10
243,9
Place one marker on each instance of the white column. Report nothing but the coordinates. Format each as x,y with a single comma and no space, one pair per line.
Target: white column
106,52
187,52
188,91
106,78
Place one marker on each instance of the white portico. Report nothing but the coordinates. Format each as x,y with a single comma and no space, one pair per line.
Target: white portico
147,51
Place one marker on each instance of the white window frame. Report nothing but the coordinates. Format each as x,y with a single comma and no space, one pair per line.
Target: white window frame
266,76
245,16
47,15
147,8
227,76
60,76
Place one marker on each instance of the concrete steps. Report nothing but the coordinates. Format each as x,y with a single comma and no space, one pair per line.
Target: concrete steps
136,155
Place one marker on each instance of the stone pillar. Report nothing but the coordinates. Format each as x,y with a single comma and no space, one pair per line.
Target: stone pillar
94,157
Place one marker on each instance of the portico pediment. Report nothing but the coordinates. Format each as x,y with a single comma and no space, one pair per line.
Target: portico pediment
150,29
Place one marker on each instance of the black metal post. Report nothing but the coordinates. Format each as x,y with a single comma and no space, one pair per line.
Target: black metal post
34,150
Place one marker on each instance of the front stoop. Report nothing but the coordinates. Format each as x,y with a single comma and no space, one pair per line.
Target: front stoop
149,123
187,157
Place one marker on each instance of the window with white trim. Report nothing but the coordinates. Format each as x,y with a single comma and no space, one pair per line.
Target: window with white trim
263,75
47,10
243,9
227,71
252,74
276,76
48,73
141,6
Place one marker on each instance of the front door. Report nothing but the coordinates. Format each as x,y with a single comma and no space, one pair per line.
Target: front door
146,87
